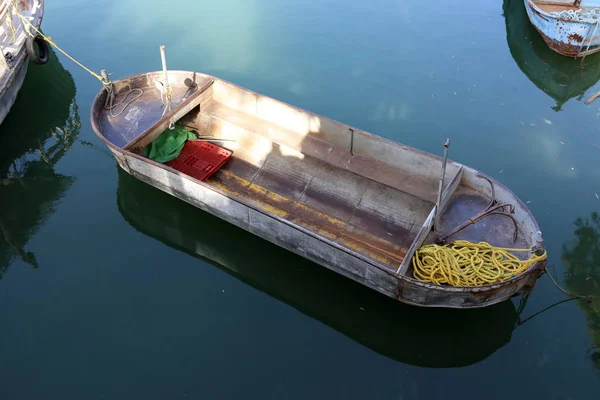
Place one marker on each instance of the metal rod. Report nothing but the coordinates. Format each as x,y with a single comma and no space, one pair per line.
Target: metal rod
539,244
168,92
164,65
213,140
441,187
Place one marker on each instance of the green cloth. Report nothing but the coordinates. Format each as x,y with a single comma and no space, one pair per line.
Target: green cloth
168,145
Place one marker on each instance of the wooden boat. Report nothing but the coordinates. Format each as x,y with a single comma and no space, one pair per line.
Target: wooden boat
14,38
557,76
569,27
349,200
363,315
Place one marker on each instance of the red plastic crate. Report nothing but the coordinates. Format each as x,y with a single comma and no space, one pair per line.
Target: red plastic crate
200,159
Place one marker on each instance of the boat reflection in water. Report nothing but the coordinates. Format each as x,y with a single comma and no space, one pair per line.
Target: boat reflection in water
582,264
40,129
561,78
424,337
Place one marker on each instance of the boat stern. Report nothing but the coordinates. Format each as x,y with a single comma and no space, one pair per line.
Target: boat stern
477,209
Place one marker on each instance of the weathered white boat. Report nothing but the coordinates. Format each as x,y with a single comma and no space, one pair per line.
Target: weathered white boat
569,27
351,201
17,45
559,77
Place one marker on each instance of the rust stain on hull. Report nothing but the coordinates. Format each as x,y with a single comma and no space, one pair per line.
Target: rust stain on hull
577,45
575,37
566,49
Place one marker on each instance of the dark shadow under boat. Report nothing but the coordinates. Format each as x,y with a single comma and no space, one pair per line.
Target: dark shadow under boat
39,130
562,78
436,338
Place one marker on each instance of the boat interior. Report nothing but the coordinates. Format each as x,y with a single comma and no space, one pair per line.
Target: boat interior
565,5
556,6
373,196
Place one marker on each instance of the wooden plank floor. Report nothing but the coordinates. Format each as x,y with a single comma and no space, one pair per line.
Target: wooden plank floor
556,7
374,219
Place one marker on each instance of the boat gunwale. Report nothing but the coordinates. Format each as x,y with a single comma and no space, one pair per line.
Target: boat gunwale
544,13
390,270
304,111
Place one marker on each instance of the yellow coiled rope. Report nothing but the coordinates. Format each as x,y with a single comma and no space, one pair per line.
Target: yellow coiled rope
464,263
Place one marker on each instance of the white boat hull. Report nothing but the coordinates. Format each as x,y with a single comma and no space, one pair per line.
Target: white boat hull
14,72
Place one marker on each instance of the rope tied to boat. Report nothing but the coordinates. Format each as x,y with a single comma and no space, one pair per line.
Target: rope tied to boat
109,102
463,263
166,97
585,297
49,40
590,16
103,77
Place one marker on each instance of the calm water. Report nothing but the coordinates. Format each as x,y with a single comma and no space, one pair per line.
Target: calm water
112,289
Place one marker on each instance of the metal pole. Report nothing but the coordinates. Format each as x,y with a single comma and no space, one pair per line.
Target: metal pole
539,244
441,187
168,92
213,140
164,65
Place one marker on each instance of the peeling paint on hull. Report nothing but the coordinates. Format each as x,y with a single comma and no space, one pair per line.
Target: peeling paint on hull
567,37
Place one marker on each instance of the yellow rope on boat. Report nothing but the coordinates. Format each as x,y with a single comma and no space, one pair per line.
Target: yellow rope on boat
49,40
464,263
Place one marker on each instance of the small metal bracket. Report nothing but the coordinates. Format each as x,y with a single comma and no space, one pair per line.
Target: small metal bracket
105,76
441,186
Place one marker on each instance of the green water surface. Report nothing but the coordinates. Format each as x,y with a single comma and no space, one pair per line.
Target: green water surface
112,289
